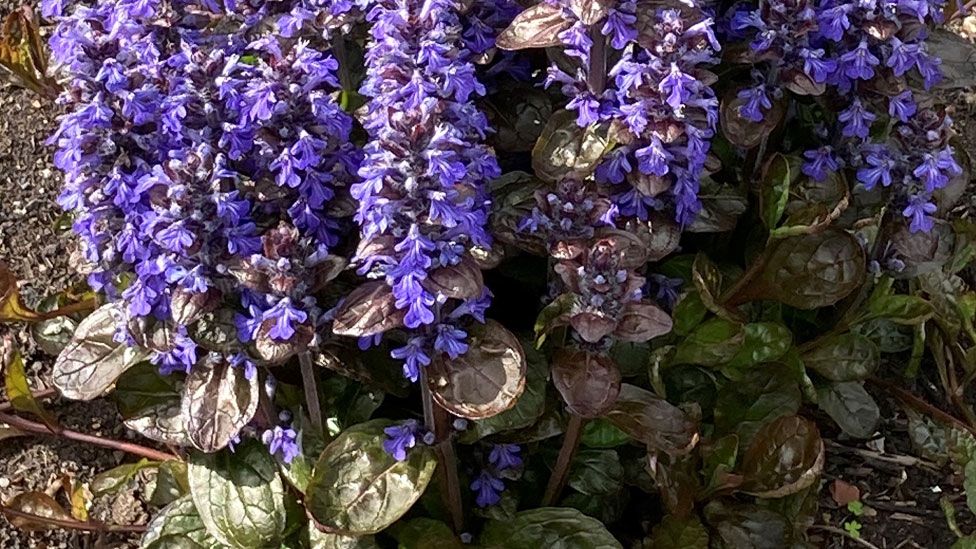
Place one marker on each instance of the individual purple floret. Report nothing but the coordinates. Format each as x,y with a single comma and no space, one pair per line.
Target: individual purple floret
505,456
283,441
423,200
400,438
487,488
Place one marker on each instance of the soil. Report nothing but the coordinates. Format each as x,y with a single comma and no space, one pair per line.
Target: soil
900,491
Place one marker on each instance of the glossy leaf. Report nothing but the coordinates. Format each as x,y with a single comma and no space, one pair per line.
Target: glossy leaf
785,457
764,342
678,533
689,312
854,410
591,12
536,27
486,380
460,281
588,382
552,316
742,132
774,187
326,540
178,526
171,483
600,433
844,357
239,495
652,420
640,322
358,488
566,150
93,360
901,309
551,527
810,271
218,400
528,408
368,310
761,396
713,342
596,472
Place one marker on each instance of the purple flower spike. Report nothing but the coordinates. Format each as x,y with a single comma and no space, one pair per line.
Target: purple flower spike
282,441
505,456
919,211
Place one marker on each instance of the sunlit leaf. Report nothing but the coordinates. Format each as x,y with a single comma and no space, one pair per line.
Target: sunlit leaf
178,526
555,527
115,480
358,488
566,150
218,400
239,495
536,27
93,360
19,393
368,310
486,380
844,357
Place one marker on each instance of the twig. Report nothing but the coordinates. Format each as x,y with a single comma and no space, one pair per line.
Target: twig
906,509
844,534
904,461
921,406
89,526
39,395
436,420
311,392
135,449
574,431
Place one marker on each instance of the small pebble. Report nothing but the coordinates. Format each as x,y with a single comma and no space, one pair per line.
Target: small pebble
4,482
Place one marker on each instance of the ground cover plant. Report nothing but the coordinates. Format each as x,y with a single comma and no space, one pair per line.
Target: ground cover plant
570,273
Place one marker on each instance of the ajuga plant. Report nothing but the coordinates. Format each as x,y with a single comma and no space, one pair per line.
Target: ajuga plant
374,273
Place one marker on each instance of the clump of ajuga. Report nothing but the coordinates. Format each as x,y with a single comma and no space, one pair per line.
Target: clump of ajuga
865,57
200,167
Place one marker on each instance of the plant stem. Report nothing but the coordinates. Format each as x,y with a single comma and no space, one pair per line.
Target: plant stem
39,395
921,406
29,426
574,431
436,419
311,392
72,524
596,74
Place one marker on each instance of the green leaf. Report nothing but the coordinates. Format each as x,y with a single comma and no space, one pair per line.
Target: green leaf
809,271
527,410
19,393
854,410
714,342
600,433
114,480
844,357
552,316
745,526
888,336
900,309
774,188
708,281
764,342
678,533
324,540
358,488
969,483
761,396
718,460
93,360
968,542
178,526
240,495
596,472
171,483
423,533
549,527
785,457
688,313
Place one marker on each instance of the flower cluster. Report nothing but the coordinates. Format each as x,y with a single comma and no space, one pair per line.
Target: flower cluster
659,92
484,20
488,485
201,163
423,202
866,54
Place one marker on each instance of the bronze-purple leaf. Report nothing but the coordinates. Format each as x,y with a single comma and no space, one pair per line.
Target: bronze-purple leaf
218,401
741,131
641,322
627,246
461,281
591,12
276,352
536,27
368,310
799,83
588,382
592,326
786,456
326,271
485,381
187,307
646,417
